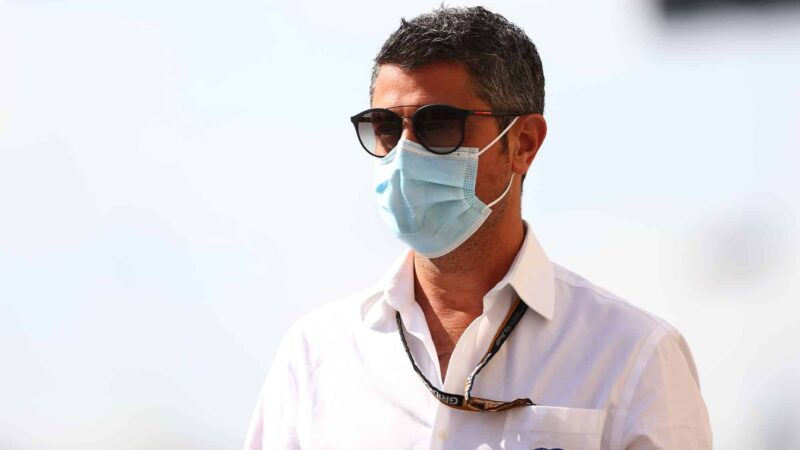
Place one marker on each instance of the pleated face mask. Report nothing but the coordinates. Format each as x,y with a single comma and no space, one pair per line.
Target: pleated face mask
428,200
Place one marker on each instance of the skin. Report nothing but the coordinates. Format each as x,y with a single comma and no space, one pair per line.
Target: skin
450,289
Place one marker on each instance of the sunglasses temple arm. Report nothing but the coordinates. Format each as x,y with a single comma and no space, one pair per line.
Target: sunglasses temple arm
490,144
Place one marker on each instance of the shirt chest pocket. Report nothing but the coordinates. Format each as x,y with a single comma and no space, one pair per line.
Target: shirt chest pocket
551,428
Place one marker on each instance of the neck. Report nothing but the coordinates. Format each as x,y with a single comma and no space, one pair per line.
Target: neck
459,281
450,289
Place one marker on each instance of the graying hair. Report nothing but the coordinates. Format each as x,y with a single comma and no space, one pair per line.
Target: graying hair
499,56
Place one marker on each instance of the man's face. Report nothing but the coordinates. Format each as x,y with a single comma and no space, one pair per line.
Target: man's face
449,83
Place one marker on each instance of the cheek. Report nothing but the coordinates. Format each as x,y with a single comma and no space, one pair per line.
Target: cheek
494,162
493,173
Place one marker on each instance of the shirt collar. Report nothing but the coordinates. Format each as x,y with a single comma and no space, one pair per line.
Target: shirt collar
530,275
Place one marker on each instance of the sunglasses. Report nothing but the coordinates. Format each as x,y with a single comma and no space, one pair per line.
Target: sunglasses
439,128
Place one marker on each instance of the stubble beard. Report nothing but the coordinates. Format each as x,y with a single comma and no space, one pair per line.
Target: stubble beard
478,249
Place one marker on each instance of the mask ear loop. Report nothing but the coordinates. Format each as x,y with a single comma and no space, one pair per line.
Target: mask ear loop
480,152
508,188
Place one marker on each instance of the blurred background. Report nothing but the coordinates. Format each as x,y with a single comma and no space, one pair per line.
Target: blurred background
179,181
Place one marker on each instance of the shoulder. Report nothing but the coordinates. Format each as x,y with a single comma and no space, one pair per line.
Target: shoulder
339,316
585,309
576,295
328,327
658,402
651,357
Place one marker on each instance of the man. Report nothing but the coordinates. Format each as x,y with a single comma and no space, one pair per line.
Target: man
474,339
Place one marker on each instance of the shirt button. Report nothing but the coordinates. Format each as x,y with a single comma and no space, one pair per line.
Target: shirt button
442,434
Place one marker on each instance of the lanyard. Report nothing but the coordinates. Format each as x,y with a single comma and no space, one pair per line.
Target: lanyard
467,402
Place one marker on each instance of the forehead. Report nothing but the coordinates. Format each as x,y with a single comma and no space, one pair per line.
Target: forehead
440,82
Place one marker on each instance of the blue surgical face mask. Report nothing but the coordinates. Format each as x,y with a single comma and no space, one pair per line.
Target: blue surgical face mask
428,200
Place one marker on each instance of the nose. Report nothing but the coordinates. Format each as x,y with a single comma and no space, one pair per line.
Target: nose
408,131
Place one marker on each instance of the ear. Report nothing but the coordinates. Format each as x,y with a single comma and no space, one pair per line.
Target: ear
532,129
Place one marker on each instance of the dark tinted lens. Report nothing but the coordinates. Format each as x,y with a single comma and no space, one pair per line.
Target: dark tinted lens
439,128
379,131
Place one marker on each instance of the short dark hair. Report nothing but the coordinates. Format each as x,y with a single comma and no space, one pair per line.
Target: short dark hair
498,55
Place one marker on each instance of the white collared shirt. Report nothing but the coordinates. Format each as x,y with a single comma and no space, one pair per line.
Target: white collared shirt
603,373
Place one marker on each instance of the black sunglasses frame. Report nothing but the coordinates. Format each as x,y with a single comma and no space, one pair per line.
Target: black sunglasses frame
460,113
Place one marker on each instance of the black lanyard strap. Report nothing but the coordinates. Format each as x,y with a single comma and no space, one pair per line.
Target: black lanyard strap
467,402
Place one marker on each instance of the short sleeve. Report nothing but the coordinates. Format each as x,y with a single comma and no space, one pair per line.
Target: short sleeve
274,422
666,410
